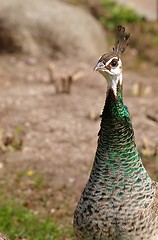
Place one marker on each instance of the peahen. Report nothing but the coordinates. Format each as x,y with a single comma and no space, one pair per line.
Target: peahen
120,201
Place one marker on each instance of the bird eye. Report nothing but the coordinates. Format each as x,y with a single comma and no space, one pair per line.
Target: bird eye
114,63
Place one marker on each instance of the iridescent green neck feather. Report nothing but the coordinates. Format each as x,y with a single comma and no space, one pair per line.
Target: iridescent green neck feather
117,162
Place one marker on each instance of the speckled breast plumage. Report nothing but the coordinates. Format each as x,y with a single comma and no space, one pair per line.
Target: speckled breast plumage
101,217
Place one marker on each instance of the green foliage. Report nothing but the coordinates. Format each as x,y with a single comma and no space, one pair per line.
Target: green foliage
115,14
19,222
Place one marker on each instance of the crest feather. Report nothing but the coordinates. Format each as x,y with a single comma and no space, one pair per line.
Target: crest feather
122,40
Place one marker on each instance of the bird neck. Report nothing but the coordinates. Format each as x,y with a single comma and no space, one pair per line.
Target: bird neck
117,162
115,112
114,82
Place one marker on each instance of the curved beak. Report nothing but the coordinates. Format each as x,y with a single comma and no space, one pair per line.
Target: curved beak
99,66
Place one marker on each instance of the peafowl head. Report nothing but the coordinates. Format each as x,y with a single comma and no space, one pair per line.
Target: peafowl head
110,65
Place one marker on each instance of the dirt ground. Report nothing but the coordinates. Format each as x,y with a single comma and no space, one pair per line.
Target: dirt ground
59,131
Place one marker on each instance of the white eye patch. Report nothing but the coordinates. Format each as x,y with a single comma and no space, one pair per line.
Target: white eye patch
108,62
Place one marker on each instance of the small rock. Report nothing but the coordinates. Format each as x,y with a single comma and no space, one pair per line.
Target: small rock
1,165
52,211
71,180
31,61
135,89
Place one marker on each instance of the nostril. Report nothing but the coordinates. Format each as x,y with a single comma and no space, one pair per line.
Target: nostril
100,65
103,62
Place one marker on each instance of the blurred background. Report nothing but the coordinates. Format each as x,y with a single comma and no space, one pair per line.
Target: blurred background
51,100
